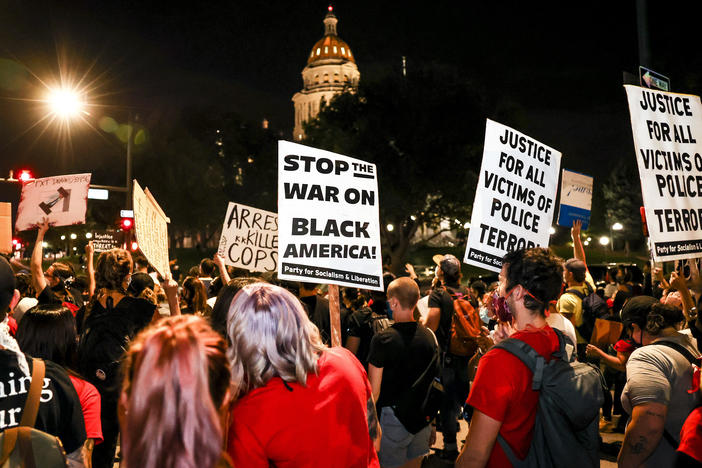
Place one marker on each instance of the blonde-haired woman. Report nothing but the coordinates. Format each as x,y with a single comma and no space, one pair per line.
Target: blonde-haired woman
299,403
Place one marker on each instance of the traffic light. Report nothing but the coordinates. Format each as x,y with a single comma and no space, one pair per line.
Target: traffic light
126,223
134,246
25,175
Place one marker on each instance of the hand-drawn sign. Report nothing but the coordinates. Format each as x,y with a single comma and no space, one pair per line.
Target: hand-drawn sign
63,194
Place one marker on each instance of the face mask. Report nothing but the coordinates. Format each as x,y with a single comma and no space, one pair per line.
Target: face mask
501,308
619,278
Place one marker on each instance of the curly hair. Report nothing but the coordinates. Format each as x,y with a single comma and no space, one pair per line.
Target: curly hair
111,268
539,271
662,316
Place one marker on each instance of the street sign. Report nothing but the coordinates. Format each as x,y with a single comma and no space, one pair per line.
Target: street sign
98,194
126,213
651,79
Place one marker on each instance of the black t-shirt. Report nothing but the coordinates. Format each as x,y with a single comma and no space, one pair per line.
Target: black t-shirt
440,298
404,351
359,326
59,414
49,295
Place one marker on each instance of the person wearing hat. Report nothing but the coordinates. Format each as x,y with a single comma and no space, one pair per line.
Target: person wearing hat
454,375
659,375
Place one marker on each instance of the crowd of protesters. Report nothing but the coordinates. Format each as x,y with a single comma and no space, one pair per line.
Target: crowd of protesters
224,369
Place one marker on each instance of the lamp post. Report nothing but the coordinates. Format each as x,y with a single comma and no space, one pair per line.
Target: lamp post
614,227
604,240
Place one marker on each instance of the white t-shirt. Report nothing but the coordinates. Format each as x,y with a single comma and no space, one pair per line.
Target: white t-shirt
23,306
563,324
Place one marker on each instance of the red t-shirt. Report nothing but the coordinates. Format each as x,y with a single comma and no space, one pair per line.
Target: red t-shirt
321,424
502,391
90,405
691,435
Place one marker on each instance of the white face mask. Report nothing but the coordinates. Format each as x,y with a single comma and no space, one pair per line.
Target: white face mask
484,314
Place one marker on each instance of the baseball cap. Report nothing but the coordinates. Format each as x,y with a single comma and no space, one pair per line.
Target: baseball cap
637,309
448,263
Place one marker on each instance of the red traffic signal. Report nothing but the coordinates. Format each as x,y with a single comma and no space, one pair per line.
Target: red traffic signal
25,175
127,224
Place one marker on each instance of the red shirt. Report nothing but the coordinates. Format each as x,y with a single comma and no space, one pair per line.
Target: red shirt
502,391
90,405
691,435
321,424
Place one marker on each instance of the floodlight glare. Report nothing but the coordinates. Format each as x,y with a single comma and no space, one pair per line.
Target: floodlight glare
65,103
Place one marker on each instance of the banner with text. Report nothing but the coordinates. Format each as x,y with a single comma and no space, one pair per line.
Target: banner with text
329,229
576,199
62,199
515,197
106,240
151,229
6,228
667,128
249,238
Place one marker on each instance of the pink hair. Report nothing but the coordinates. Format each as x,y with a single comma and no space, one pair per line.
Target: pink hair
171,370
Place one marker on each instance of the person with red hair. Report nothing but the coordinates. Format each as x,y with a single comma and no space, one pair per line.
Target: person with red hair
175,396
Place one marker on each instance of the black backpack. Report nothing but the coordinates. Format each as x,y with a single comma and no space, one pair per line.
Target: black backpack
379,322
102,344
594,307
567,415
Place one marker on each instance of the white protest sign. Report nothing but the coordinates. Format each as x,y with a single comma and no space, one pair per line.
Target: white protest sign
515,197
667,129
61,199
151,229
106,240
328,229
576,199
249,238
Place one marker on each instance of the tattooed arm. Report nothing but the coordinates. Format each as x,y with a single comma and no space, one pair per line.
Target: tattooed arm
643,434
373,424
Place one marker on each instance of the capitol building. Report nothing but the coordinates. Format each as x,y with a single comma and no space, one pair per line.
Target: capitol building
331,69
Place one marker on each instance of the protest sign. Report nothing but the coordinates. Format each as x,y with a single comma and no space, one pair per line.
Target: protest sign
515,197
151,229
249,238
61,199
328,229
667,129
106,240
576,199
5,227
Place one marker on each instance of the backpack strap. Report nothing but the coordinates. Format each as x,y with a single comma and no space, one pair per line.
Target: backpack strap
25,446
511,456
575,292
8,443
31,406
528,355
679,348
431,364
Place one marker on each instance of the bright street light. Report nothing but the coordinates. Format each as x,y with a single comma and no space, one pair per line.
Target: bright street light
604,240
63,237
88,235
617,226
466,225
73,236
65,103
552,230
390,227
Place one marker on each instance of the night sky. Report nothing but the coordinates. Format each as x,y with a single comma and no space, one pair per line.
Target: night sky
559,63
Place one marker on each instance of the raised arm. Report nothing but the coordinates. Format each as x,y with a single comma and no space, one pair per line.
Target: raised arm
171,289
38,280
223,273
578,250
678,282
89,251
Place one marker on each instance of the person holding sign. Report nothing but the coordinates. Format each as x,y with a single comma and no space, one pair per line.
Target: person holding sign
298,403
53,285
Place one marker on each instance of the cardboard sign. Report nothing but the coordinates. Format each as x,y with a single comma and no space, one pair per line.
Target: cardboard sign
151,229
576,199
667,130
515,197
61,199
328,228
249,238
5,227
106,240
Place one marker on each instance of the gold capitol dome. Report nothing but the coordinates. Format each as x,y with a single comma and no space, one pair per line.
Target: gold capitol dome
331,46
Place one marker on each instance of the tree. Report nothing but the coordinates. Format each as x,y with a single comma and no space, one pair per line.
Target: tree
424,132
202,160
622,197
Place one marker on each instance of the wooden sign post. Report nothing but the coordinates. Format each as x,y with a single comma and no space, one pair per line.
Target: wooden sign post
334,315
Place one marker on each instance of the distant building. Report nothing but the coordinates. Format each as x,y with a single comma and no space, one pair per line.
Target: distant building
331,69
